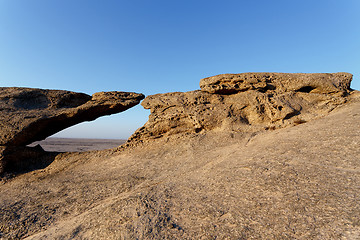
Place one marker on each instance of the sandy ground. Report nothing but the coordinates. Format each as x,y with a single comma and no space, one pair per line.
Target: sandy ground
77,144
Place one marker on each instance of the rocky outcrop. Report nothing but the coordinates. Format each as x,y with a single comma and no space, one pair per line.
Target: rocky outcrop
301,182
279,82
246,102
28,115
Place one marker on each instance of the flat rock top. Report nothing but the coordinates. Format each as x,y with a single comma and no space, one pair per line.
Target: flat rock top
24,99
282,82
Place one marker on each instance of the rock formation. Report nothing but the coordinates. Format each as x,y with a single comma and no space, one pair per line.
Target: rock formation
246,102
281,82
300,182
28,115
213,171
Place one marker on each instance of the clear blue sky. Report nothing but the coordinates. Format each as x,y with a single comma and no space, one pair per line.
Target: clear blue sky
163,46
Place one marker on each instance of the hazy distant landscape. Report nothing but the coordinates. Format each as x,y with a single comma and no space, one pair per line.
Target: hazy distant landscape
77,144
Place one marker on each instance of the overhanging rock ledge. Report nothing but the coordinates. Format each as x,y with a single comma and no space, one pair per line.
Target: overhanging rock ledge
28,115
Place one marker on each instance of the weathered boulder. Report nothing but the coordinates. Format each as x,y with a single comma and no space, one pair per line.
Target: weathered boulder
246,102
28,115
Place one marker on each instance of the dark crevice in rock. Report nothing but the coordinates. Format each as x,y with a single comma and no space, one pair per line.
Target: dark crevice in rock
291,114
197,130
305,89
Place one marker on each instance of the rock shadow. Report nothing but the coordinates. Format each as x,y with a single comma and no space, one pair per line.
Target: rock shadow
26,159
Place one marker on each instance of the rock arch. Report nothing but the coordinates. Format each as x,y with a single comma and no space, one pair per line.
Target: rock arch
28,115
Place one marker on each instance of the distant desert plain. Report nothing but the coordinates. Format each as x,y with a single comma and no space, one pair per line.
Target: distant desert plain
54,144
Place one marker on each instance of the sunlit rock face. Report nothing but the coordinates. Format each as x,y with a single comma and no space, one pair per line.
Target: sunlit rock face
279,82
28,115
245,102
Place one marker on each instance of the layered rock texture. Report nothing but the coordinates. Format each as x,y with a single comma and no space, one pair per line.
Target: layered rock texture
28,115
246,102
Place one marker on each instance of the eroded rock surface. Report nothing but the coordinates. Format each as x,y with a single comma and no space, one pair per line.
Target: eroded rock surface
28,115
246,102
280,82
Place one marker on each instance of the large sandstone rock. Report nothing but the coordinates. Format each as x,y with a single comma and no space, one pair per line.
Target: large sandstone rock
28,115
246,102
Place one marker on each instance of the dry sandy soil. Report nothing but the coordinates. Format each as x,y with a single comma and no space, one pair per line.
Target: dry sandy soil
77,144
300,182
